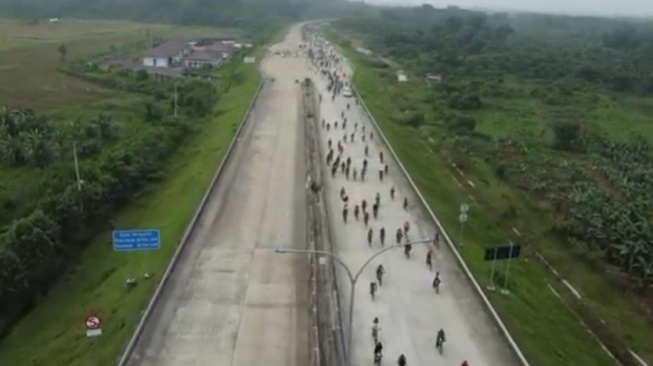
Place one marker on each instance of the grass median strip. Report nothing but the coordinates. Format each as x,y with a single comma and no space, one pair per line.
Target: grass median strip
545,329
53,333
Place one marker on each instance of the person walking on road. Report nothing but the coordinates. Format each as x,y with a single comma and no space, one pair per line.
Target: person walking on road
345,212
375,210
370,234
381,156
366,218
392,193
401,361
382,236
378,353
399,236
429,259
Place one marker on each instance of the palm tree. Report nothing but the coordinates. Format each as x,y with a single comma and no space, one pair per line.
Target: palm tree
12,150
105,125
39,150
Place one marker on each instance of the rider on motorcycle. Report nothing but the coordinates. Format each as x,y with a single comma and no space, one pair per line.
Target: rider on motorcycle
375,329
380,271
436,282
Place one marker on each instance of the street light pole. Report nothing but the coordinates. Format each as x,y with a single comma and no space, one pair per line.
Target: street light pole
353,278
79,180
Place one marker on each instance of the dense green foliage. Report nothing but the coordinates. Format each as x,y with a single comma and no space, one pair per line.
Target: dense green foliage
115,161
249,14
602,191
548,117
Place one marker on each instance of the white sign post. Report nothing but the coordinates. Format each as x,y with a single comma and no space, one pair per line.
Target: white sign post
463,218
92,324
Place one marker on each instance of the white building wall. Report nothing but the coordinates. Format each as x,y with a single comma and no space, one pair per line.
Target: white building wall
155,61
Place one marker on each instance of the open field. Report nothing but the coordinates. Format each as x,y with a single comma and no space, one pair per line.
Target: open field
29,77
53,333
29,59
548,332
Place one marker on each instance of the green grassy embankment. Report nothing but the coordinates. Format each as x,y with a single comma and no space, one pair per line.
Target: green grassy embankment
53,333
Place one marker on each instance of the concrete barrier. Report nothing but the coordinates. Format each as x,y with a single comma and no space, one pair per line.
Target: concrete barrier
486,302
328,313
125,357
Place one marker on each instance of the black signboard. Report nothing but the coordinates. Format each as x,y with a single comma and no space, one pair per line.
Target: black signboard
504,252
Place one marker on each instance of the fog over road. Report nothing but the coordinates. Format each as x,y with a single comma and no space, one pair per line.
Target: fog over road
409,310
231,300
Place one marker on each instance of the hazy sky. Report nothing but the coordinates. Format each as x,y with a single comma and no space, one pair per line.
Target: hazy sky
602,7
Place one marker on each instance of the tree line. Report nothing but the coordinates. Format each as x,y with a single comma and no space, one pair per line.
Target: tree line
250,14
116,160
612,54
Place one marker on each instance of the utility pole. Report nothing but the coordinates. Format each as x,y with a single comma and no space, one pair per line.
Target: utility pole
79,180
176,100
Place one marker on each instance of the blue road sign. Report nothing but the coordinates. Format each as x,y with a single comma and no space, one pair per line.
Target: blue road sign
130,240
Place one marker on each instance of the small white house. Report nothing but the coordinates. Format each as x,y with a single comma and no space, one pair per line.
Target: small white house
167,54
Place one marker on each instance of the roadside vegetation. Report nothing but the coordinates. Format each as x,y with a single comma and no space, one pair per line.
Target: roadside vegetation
542,124
140,167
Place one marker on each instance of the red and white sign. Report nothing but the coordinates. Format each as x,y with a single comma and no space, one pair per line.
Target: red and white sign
92,322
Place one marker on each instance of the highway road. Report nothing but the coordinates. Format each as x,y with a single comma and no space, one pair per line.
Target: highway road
231,300
409,310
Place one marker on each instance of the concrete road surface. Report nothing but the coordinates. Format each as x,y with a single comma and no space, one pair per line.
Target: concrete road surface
409,310
232,301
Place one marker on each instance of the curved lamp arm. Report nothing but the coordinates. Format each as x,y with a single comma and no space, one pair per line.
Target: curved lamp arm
353,278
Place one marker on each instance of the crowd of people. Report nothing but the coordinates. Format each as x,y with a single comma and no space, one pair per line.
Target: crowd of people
343,137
